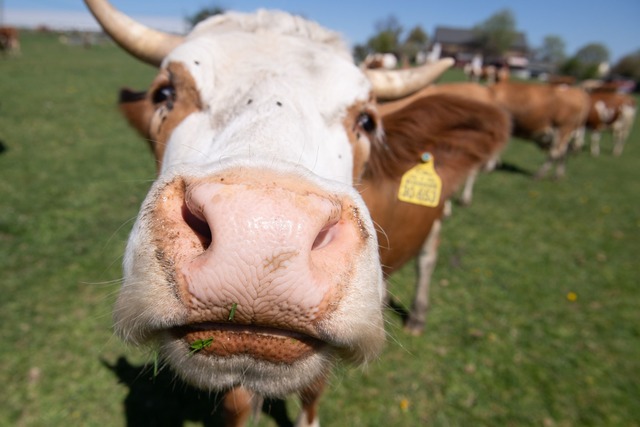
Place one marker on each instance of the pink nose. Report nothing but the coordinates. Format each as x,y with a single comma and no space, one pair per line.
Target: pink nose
276,250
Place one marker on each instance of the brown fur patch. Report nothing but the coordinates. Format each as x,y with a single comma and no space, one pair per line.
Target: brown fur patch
361,149
187,101
156,122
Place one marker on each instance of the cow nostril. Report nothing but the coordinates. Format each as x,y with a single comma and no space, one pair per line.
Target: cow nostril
325,236
199,226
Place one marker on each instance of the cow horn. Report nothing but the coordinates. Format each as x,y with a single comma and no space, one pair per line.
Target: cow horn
394,84
146,44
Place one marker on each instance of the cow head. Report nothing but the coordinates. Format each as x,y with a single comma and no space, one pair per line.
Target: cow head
253,260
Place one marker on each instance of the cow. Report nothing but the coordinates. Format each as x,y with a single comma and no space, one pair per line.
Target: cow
459,135
477,72
550,115
559,80
9,40
613,111
374,61
253,264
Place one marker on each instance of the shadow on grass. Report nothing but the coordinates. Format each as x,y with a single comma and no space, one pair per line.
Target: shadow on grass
164,400
398,309
510,168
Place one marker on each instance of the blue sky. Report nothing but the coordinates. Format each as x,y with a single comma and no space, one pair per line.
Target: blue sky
614,23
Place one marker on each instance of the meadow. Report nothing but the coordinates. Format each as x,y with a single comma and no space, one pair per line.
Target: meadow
535,303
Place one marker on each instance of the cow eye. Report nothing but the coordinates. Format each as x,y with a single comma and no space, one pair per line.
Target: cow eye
165,95
367,122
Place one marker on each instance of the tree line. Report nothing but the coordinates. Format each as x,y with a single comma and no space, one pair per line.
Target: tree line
494,36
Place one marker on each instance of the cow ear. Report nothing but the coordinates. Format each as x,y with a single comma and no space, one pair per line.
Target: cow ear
461,134
137,109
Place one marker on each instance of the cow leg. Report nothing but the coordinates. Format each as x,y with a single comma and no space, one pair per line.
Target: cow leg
550,136
595,143
622,128
618,145
620,134
237,406
447,211
310,398
544,169
578,139
561,166
618,138
426,264
467,192
560,150
492,163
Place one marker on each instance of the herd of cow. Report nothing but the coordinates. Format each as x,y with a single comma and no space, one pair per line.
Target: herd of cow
291,182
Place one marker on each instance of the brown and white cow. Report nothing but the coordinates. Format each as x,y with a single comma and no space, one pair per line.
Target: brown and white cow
550,115
9,40
373,61
610,110
253,265
459,135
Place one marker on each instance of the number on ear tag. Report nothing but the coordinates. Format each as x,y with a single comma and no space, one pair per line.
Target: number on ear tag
421,185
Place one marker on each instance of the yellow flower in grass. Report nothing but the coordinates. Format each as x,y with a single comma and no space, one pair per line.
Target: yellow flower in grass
404,405
572,296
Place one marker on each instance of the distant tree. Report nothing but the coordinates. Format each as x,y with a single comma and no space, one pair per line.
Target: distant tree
572,67
203,14
387,38
628,66
360,52
593,54
497,33
552,50
584,64
416,41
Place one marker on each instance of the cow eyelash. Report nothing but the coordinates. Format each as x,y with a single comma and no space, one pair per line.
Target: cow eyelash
366,122
164,95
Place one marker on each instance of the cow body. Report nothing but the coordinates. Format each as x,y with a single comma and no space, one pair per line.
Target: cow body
253,264
613,111
9,40
460,135
550,115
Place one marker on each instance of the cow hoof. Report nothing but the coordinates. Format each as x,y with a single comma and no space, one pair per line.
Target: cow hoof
414,327
448,208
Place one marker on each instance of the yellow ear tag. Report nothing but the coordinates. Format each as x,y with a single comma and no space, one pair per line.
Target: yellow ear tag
421,185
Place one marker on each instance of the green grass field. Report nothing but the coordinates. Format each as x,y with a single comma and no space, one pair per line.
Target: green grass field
505,345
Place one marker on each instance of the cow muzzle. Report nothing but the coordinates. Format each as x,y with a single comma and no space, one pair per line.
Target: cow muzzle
254,266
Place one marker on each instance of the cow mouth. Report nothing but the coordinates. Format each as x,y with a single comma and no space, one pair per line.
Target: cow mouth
262,343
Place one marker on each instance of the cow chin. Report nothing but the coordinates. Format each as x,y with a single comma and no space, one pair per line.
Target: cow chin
208,371
267,297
